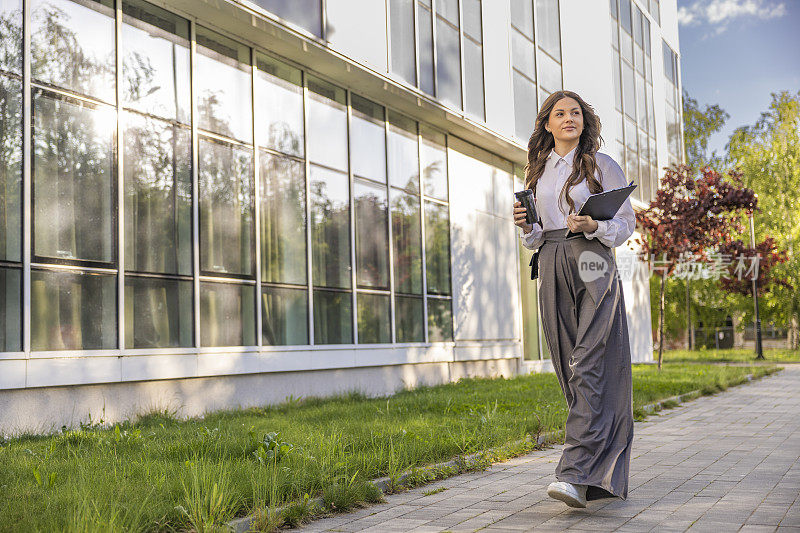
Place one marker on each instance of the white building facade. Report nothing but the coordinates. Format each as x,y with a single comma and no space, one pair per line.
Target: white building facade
207,204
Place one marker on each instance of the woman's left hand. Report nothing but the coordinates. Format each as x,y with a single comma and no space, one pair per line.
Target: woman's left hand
579,223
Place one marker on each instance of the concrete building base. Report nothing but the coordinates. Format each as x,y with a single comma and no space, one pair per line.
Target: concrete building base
46,409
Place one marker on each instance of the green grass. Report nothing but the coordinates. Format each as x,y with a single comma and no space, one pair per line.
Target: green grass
772,355
159,473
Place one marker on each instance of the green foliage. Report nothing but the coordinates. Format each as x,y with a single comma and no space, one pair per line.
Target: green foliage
270,448
768,153
209,500
699,124
296,513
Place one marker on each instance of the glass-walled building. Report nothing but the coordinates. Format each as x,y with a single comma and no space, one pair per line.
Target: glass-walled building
220,204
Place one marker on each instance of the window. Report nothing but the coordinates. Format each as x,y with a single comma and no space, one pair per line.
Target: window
368,139
283,219
473,58
72,46
73,180
373,318
401,19
226,208
448,53
437,248
10,169
372,220
343,183
327,124
330,254
407,243
158,313
11,177
284,313
305,13
11,38
224,86
157,151
434,163
279,106
73,311
403,153
227,314
673,105
425,47
633,90
155,64
548,27
535,58
10,316
158,202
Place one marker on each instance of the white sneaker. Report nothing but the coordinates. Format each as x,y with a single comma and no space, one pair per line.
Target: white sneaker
572,494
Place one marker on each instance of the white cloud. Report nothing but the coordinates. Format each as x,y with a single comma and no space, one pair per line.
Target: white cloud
720,12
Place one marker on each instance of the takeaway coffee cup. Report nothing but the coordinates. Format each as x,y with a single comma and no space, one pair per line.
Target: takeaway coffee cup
526,199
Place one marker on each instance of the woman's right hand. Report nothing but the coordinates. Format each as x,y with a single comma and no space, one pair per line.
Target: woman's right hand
519,218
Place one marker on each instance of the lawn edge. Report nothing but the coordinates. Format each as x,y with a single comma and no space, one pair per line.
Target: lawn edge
463,464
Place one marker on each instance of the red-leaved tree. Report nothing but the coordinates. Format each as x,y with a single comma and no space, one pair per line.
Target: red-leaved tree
768,257
691,215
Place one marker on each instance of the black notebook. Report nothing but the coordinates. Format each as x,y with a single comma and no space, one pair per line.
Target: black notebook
604,205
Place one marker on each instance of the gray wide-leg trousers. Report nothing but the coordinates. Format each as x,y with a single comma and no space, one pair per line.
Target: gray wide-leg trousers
583,315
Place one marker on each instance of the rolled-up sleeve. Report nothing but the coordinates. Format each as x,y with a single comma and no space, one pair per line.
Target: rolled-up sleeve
533,239
616,231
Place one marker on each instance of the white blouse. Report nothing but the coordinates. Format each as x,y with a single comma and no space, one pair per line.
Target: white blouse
557,169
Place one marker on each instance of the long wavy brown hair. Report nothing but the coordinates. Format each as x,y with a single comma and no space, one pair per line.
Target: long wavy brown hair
542,141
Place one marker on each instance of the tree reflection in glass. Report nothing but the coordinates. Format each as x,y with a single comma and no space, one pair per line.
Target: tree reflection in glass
73,179
158,201
367,139
333,317
11,36
226,208
283,220
330,228
409,318
284,314
227,314
407,241
73,311
10,316
440,320
327,124
158,313
403,153
10,168
437,248
72,46
373,318
372,239
155,68
224,86
434,163
279,106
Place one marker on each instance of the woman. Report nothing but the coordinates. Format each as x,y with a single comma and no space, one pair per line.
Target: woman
580,297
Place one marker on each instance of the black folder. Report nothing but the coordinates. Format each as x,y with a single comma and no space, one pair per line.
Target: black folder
604,205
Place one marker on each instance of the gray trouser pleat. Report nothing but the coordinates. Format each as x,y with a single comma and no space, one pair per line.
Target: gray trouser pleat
585,327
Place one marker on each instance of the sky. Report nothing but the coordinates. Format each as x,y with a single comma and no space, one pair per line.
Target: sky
734,53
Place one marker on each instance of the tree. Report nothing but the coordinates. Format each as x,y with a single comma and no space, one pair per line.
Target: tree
698,126
768,154
689,216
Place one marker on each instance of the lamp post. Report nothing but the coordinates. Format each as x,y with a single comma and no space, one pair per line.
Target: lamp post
759,349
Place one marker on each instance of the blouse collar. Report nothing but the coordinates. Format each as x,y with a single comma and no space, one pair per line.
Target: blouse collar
554,158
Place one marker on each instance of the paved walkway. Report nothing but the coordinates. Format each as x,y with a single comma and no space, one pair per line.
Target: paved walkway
728,462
